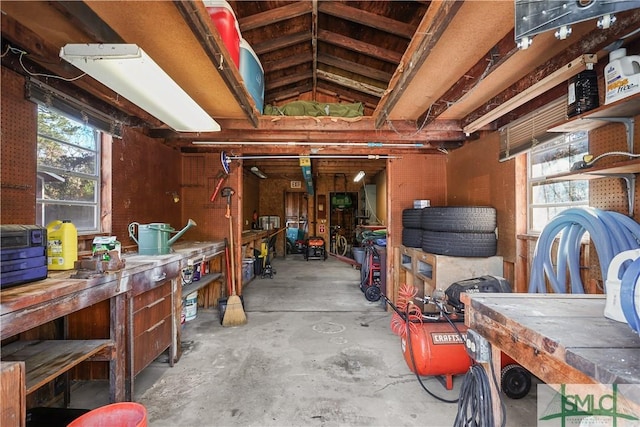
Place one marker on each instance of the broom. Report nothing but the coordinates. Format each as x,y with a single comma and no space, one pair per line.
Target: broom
234,314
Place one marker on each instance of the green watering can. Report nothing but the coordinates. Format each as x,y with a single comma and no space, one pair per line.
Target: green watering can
153,239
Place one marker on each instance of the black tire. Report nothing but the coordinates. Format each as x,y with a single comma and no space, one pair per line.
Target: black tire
411,218
372,293
479,245
515,381
459,219
412,237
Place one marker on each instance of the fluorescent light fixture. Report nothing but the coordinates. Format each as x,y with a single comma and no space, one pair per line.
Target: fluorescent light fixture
129,71
358,176
257,172
561,75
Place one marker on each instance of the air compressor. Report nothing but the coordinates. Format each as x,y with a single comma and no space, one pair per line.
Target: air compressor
433,344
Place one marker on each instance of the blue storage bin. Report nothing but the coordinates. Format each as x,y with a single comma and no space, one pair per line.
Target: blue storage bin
252,73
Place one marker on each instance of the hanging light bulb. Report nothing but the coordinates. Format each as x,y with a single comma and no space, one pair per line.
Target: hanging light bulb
358,176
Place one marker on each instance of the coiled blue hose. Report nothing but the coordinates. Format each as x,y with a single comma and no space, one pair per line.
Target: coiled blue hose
628,293
610,232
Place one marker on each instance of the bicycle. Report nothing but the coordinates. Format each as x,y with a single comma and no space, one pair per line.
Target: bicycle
339,245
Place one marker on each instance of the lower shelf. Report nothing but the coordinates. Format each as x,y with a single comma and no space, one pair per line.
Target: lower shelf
46,360
199,284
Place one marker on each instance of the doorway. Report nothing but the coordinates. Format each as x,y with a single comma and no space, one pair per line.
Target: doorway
343,217
296,219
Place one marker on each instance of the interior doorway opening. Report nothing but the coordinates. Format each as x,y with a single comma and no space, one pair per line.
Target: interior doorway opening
296,218
342,221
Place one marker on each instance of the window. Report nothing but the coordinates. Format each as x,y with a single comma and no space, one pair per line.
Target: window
68,183
547,198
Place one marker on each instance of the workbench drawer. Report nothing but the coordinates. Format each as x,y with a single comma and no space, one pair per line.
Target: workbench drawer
149,297
151,314
151,343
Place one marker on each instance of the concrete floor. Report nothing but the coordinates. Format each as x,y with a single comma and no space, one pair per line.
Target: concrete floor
314,352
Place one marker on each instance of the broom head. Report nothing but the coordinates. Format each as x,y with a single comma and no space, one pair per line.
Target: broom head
234,314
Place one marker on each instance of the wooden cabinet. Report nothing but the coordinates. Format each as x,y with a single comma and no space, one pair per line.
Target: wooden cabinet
428,272
152,325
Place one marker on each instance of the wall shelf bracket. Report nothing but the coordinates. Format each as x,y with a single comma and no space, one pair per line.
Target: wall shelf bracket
628,124
630,180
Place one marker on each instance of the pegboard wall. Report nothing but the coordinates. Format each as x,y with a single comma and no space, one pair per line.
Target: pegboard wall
18,152
611,193
201,173
144,176
414,177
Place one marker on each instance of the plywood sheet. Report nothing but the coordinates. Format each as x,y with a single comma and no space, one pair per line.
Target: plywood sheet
159,29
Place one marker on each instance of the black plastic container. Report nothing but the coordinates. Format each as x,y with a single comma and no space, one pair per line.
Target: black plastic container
582,93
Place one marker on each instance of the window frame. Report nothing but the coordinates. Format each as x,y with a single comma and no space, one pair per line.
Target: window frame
96,178
533,181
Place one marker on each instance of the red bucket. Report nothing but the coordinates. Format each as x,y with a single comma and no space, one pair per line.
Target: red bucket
122,414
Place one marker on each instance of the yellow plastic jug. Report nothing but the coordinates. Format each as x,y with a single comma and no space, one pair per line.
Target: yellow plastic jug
62,245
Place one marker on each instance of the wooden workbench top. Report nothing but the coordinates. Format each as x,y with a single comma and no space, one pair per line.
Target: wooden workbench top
253,235
24,306
568,329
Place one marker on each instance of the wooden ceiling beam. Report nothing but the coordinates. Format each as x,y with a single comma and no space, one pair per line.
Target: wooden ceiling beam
431,28
272,16
288,80
364,48
350,83
504,50
344,97
336,124
382,23
339,92
281,42
287,93
212,43
352,67
287,62
314,49
343,137
82,17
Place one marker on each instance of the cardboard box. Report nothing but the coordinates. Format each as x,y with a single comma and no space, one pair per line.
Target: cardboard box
106,244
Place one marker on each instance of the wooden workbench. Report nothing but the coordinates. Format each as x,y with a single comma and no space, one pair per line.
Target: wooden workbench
33,304
561,339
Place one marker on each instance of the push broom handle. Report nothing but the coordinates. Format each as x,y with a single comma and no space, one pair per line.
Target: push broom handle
233,254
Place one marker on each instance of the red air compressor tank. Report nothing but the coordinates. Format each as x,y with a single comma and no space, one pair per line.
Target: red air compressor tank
437,350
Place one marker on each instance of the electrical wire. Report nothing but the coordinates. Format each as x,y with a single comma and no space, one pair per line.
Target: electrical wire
610,232
587,164
21,53
475,405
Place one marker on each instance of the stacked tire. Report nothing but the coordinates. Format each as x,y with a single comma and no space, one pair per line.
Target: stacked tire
459,231
462,231
412,228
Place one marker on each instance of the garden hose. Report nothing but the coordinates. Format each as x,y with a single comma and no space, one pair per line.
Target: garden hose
610,232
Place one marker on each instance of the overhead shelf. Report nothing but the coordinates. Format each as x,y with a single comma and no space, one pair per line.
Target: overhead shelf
626,170
613,170
593,119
